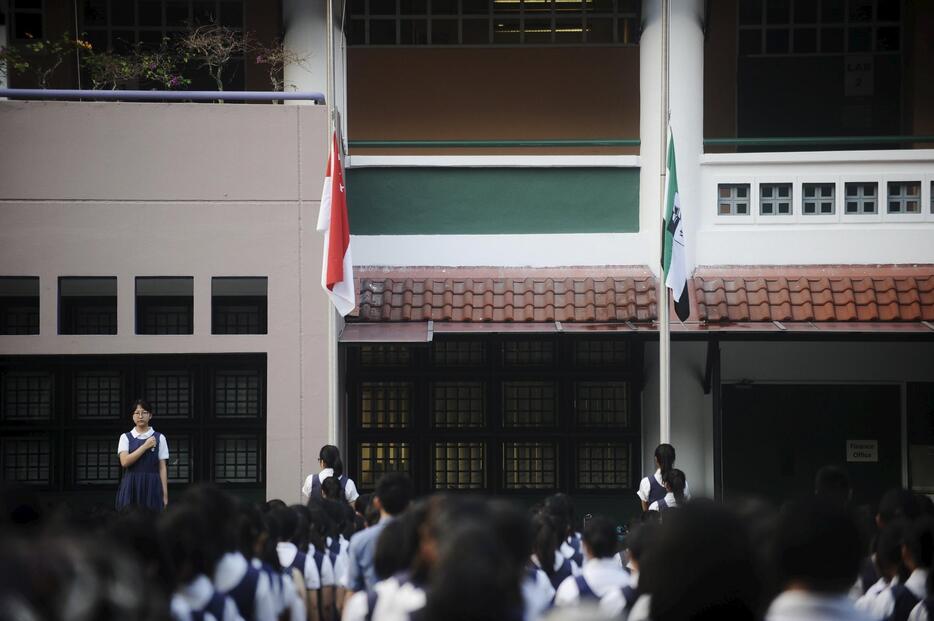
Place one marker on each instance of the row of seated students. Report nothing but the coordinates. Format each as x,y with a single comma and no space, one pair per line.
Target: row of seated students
455,557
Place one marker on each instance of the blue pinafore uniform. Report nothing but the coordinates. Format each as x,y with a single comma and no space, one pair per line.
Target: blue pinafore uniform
141,485
657,492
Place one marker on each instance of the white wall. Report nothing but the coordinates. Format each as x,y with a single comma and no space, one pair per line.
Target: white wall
202,190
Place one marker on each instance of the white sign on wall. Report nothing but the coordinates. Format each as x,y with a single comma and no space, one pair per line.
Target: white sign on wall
862,450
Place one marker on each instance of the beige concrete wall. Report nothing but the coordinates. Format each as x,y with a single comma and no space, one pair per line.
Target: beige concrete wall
200,190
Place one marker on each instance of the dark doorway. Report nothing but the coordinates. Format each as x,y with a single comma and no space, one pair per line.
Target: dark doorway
775,437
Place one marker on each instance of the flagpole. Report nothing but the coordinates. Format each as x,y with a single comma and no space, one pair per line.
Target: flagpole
333,376
664,333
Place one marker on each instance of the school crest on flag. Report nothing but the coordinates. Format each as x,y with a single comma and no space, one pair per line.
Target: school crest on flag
674,256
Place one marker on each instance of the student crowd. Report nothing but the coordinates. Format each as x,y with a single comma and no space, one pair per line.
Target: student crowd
390,557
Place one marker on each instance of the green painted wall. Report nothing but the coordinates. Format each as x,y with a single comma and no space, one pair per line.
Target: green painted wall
464,201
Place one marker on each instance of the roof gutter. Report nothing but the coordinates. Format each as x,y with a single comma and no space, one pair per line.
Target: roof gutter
102,95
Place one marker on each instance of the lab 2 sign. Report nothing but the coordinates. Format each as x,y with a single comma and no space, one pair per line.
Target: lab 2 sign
859,75
865,451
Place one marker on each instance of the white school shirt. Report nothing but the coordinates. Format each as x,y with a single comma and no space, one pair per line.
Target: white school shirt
195,596
123,445
919,613
601,575
350,489
288,598
884,603
670,500
559,561
230,570
873,603
395,601
645,487
807,606
613,604
341,562
537,595
287,552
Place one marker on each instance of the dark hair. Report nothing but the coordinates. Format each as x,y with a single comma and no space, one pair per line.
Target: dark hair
286,522
888,549
818,544
183,530
273,504
561,504
665,455
331,456
600,536
898,503
396,546
312,527
394,490
833,484
331,488
545,541
250,528
141,403
218,508
921,542
640,539
676,481
511,525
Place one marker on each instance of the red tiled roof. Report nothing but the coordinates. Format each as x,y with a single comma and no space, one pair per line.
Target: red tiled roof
600,294
815,293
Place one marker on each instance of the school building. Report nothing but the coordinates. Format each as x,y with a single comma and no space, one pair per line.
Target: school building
503,172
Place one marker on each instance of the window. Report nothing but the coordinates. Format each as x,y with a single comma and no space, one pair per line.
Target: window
26,459
237,394
238,305
377,458
95,461
904,197
529,404
87,305
603,465
237,459
733,199
493,22
385,405
98,395
164,305
530,465
775,199
27,396
19,305
824,27
27,20
818,199
459,465
458,404
169,393
861,198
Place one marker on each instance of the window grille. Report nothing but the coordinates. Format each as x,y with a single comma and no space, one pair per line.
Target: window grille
818,199
904,197
733,199
164,305
385,355
167,319
603,465
488,22
237,459
237,319
239,305
598,353
385,405
26,459
602,404
458,465
377,458
27,396
96,461
19,305
530,465
27,20
87,305
775,199
528,353
237,394
181,459
98,395
458,353
170,393
529,404
862,198
458,405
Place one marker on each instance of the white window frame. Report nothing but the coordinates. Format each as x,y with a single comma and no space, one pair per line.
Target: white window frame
860,217
903,217
793,199
828,179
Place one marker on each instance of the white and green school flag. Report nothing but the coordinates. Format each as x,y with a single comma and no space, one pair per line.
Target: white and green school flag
674,261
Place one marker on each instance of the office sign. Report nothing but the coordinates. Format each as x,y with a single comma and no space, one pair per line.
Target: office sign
862,451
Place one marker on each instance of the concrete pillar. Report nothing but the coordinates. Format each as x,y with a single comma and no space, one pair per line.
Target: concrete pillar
303,23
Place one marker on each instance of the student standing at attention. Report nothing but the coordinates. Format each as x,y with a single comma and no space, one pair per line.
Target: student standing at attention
652,488
329,460
143,455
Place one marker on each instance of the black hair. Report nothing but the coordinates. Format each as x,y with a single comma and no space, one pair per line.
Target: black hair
394,490
545,541
818,544
135,532
217,507
511,525
898,503
889,549
701,567
640,539
286,523
833,484
312,528
361,503
273,504
925,504
921,542
395,548
665,455
557,510
331,456
141,403
561,504
331,488
676,481
268,553
600,536
183,530
250,528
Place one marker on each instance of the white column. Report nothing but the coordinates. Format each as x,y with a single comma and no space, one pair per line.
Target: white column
4,11
306,34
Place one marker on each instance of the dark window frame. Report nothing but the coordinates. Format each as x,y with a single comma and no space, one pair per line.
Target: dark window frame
69,311
29,304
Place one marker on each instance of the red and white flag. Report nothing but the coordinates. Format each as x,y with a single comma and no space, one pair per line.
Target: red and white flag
337,267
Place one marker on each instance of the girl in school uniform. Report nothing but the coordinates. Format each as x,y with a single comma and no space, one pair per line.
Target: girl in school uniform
546,539
674,492
329,459
143,454
652,488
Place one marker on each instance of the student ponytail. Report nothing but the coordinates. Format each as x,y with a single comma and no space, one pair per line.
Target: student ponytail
676,481
545,540
665,455
331,456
